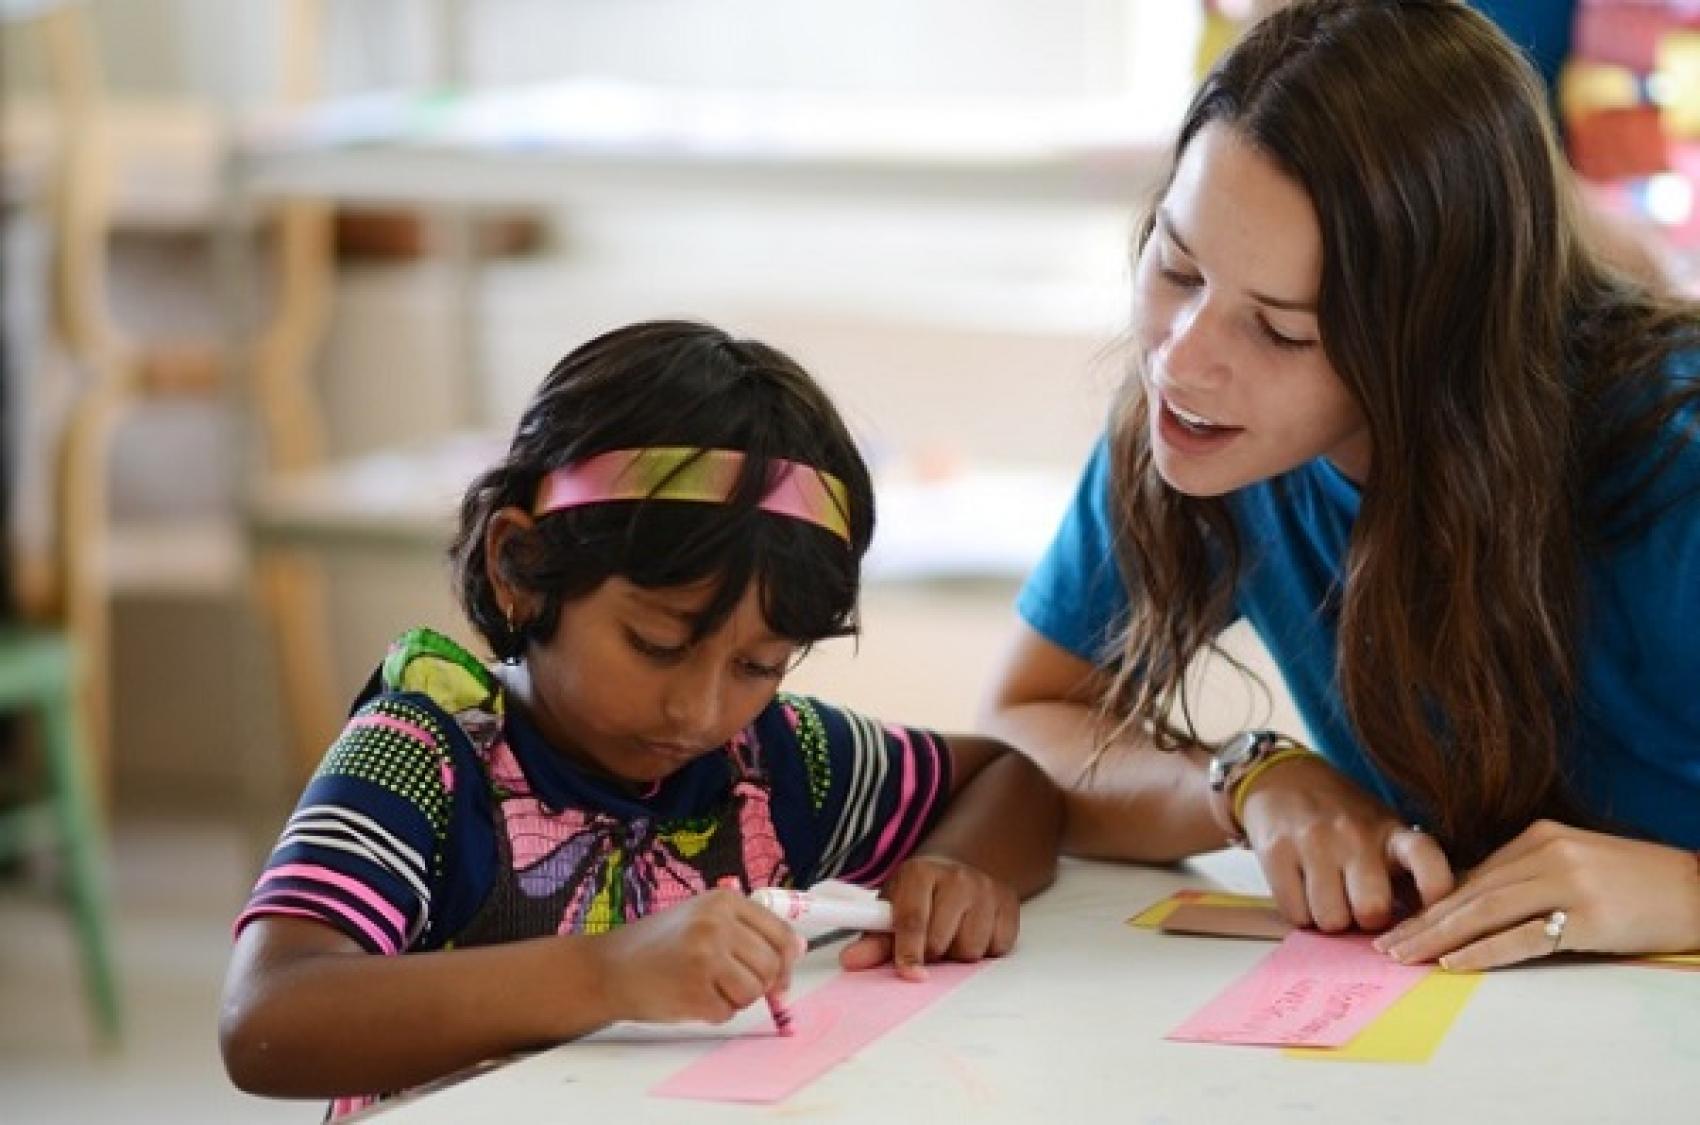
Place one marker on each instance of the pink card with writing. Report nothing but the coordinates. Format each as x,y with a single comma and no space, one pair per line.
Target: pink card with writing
831,1023
1314,990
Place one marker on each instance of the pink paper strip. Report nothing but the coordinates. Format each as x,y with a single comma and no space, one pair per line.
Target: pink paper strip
1314,990
831,1023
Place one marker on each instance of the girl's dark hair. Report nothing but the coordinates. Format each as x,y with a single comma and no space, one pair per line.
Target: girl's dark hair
670,383
1503,373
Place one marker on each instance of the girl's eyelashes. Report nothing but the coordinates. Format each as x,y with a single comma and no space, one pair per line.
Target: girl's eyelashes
779,669
670,654
651,649
760,671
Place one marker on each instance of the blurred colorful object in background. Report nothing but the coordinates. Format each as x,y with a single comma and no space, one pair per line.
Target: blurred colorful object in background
1627,78
1630,99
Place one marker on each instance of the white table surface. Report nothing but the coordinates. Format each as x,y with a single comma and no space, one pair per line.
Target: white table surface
1070,1029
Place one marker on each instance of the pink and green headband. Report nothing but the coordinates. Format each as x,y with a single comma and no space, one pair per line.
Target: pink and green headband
702,475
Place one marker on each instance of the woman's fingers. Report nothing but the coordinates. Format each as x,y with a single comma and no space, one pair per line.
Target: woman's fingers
1369,891
1474,914
1416,852
1325,891
1286,878
1523,942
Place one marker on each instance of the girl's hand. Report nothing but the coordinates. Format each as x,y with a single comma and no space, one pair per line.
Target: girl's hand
941,908
1618,896
1331,851
706,959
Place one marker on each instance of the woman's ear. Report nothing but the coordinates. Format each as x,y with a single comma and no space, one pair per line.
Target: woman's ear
504,524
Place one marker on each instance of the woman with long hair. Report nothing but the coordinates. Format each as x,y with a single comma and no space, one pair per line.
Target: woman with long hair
1387,405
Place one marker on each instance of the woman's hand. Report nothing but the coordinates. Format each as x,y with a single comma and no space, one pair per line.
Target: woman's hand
1330,851
1617,895
706,959
941,909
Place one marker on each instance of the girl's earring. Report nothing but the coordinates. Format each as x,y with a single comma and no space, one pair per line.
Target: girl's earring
514,637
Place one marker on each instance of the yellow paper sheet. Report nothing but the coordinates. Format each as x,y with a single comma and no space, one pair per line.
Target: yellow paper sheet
1152,916
1670,959
1410,1029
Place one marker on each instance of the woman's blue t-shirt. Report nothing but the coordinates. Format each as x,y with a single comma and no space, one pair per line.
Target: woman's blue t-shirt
1635,753
1542,28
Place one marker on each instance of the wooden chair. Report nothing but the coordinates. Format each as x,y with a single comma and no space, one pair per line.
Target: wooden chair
59,582
86,133
53,666
152,165
299,483
290,584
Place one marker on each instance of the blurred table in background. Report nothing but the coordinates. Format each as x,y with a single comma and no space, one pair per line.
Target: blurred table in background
587,148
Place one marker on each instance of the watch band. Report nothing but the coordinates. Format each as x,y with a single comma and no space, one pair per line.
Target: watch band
1235,765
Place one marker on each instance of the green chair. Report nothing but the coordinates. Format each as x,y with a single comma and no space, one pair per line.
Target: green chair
38,679
53,670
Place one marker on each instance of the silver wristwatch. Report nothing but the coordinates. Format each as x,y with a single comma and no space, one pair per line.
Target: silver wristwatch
1229,765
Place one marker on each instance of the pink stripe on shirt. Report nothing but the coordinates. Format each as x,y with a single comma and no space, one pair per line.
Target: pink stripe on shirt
932,798
386,944
390,722
906,794
316,873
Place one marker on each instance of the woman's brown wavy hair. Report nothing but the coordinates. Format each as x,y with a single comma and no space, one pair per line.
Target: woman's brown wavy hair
1502,371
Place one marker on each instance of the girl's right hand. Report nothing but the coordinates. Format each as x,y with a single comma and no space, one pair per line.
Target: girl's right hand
707,959
1331,852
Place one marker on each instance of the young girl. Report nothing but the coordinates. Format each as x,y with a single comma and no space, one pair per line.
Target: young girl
679,516
1388,406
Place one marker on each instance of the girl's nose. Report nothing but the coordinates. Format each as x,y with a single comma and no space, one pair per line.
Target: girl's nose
691,704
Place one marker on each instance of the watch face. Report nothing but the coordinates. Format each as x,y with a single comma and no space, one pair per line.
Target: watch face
1229,756
1235,755
1239,748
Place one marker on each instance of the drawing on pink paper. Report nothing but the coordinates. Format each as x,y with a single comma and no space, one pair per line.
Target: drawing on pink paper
1314,990
831,1023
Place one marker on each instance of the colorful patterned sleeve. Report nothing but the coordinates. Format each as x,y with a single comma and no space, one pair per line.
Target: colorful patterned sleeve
871,790
360,850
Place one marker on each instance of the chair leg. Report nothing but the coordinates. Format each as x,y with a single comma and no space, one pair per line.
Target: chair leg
85,851
293,590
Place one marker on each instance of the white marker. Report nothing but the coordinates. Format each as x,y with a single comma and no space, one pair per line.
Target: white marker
824,912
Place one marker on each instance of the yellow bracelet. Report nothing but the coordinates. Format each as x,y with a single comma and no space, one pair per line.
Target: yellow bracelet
1243,789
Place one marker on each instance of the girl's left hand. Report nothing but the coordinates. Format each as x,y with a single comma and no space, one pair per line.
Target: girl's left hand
941,908
1617,895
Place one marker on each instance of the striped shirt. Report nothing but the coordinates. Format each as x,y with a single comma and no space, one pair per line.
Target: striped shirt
392,843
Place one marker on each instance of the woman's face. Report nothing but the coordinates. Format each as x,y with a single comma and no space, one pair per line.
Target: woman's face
1225,294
